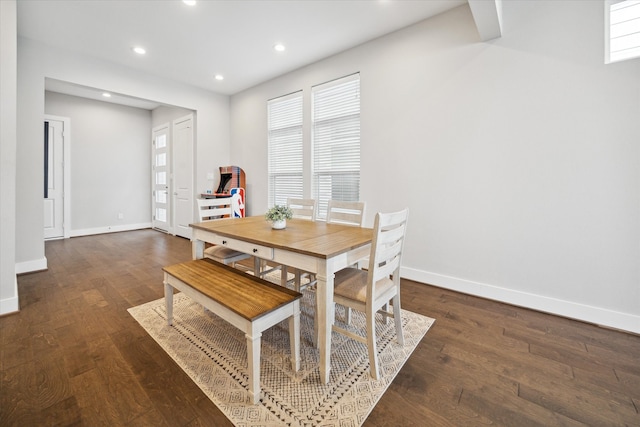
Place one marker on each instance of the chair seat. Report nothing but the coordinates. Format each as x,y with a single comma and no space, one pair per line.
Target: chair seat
220,254
351,283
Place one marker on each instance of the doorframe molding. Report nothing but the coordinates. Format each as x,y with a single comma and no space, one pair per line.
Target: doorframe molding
66,177
169,134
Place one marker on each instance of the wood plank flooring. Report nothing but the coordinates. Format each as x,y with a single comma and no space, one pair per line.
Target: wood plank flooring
73,356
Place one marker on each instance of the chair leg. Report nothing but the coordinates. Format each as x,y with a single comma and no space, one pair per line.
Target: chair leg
371,344
347,315
385,308
297,281
397,318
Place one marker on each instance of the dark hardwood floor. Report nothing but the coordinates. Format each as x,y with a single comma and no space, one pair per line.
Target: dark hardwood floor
74,356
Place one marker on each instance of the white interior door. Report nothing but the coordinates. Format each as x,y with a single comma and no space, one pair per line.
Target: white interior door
160,179
54,179
183,175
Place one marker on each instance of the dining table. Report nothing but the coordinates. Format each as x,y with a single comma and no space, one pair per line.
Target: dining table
311,246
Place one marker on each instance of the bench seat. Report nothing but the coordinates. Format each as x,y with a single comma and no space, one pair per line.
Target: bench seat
245,301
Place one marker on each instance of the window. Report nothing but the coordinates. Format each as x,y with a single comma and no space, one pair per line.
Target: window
622,30
336,141
325,163
285,169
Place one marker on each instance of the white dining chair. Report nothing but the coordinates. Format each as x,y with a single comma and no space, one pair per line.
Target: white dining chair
338,212
346,213
215,209
370,291
302,209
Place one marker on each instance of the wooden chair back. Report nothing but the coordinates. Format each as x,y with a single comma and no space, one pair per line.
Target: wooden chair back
303,208
386,249
346,213
210,209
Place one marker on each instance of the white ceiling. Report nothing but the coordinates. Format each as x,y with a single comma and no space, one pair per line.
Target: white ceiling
234,38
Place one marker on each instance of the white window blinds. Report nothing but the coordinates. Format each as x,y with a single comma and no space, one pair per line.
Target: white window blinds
285,148
622,30
336,141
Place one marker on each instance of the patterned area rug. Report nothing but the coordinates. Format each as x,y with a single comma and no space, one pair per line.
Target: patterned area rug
214,354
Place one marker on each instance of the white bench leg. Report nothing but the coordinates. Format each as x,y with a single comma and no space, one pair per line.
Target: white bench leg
294,336
168,299
253,361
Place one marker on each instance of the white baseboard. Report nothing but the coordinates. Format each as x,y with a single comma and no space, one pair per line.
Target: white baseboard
109,229
41,264
31,266
10,305
599,316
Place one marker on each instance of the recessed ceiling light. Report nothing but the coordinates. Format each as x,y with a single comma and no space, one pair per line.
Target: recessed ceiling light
279,47
106,95
189,2
219,77
139,50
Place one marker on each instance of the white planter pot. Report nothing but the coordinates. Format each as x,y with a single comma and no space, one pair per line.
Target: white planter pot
279,225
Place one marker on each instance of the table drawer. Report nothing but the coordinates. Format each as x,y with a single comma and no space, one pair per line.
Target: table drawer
263,252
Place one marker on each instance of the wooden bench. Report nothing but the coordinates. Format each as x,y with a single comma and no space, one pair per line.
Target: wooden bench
247,302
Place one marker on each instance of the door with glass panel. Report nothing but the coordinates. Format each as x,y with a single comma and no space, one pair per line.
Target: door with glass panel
160,169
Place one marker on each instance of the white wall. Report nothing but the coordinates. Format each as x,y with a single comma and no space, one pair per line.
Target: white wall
8,100
37,62
518,158
110,164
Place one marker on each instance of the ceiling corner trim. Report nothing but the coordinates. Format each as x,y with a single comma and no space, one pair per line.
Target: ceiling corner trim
487,15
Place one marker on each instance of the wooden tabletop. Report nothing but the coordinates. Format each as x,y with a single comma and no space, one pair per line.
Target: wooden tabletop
315,238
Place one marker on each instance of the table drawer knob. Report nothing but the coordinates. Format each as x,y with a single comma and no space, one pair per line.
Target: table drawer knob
224,242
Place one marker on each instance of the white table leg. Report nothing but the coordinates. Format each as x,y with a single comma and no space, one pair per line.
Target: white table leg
324,299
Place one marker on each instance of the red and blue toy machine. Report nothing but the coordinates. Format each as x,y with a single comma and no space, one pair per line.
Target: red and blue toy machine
232,184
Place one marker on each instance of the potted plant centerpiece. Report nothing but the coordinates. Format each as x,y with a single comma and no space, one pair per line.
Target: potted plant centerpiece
278,216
